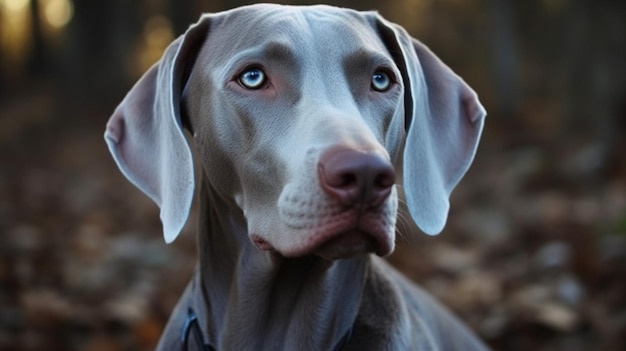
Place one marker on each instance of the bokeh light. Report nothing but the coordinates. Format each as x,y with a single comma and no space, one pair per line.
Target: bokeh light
57,13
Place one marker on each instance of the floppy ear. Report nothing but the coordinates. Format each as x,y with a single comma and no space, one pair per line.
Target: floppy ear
444,121
145,133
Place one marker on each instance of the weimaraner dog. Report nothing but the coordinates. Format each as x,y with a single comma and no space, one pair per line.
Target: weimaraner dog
308,122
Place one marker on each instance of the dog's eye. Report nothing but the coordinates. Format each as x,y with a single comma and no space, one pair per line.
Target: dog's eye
381,81
253,78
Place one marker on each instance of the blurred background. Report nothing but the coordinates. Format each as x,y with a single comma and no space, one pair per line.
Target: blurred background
534,254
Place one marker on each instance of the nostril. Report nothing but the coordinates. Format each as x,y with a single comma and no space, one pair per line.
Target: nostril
385,179
347,179
356,177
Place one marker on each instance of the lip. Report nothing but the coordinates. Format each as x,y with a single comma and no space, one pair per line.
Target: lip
345,240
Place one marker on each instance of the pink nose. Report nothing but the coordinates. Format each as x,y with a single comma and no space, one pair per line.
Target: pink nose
356,178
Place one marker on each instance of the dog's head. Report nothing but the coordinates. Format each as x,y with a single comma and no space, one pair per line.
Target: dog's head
305,117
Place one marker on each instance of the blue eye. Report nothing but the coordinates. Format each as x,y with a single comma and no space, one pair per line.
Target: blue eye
381,81
252,78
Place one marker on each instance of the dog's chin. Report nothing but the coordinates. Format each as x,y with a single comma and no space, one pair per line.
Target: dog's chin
351,244
347,244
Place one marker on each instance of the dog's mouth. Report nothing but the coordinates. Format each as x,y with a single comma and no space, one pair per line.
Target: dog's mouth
350,242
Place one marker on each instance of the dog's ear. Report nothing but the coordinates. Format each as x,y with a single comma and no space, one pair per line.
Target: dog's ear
444,121
145,133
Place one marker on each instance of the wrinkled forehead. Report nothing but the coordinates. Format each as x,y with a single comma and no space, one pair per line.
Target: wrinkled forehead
303,31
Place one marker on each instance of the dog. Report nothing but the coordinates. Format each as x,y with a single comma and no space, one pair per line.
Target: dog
309,123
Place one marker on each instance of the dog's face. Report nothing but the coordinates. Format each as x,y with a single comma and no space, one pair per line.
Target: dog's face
305,117
268,108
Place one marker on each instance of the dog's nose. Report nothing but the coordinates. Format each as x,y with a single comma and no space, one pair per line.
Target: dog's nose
356,178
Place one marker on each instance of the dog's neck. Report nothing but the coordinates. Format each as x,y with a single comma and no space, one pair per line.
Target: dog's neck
259,300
